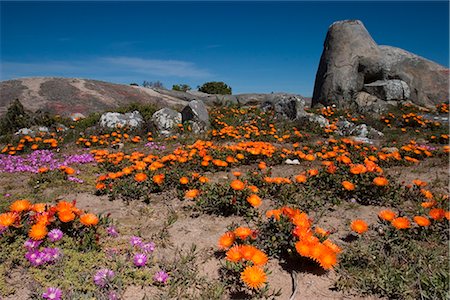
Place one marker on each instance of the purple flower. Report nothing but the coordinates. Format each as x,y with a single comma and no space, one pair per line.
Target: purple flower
7,195
55,235
112,296
139,259
111,230
52,293
161,277
75,179
32,244
103,276
3,229
51,254
148,247
35,257
135,241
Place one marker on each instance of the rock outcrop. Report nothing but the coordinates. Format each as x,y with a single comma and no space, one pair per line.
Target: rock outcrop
196,115
352,62
166,120
117,120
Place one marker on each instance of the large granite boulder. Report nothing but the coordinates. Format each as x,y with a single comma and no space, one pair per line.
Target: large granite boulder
166,120
351,61
117,120
196,114
286,106
388,89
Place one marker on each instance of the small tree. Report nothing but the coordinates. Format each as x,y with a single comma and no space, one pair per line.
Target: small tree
181,87
15,118
153,84
215,87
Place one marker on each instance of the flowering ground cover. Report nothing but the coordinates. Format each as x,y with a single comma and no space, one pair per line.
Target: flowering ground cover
222,216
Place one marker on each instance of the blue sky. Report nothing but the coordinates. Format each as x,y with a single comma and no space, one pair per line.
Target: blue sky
252,46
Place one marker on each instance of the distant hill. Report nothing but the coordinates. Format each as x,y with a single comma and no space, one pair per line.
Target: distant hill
73,95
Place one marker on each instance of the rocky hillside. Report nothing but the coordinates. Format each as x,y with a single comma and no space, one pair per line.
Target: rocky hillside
73,95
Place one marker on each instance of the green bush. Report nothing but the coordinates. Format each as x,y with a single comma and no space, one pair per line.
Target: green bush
181,87
14,119
215,87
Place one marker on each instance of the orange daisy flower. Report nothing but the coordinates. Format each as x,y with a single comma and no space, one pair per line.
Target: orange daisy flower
254,200
38,232
89,219
348,185
422,221
380,181
401,223
237,185
254,277
387,215
359,226
226,240
20,206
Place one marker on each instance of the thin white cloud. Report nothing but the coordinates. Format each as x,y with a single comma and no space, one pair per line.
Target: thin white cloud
101,67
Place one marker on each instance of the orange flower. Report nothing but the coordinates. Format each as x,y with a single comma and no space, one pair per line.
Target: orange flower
358,169
69,171
274,213
254,200
247,251
428,204
259,258
401,223
100,186
419,182
422,221
140,177
20,206
38,207
437,214
226,240
237,185
387,215
89,219
313,172
66,216
253,188
380,181
303,248
158,179
37,232
359,226
427,194
254,277
184,180
234,254
300,178
262,165
7,219
237,174
348,185
327,259
191,194
43,170
243,232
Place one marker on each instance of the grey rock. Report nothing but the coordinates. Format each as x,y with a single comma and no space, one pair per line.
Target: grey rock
286,106
118,120
197,113
292,161
77,116
365,131
351,59
367,103
318,119
166,120
25,131
388,89
346,128
389,149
